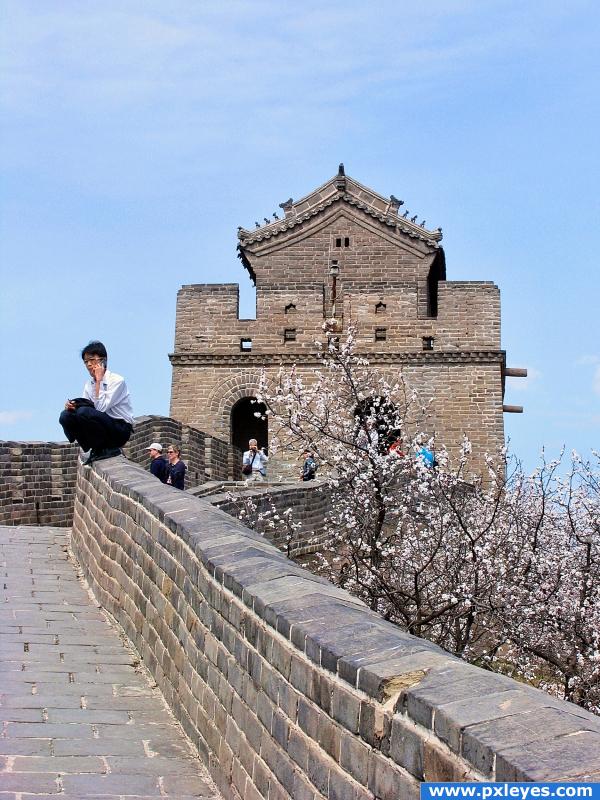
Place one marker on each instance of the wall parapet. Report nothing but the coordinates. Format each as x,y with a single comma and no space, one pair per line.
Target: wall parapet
308,502
37,482
37,479
288,686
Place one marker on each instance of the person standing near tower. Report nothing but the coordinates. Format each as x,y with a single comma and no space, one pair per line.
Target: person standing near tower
159,466
176,467
254,462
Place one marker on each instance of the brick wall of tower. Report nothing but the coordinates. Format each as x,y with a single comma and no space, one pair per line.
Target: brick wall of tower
467,401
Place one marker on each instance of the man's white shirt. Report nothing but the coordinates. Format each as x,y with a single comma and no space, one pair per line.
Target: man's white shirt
113,398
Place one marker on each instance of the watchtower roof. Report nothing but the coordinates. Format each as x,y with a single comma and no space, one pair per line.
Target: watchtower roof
341,189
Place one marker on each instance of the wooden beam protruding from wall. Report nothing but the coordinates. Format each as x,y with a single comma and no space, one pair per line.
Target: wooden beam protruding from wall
515,372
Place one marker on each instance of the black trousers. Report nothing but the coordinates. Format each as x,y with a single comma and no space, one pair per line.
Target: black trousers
94,429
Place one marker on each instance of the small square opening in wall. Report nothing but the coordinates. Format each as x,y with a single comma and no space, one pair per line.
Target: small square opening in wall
380,307
380,334
245,345
289,335
338,241
347,241
427,342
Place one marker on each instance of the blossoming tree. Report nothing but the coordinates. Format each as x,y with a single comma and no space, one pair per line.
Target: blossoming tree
503,570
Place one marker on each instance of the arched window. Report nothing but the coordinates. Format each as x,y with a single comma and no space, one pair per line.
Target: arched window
248,421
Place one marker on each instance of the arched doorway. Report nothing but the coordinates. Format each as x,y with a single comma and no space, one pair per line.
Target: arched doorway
381,415
248,421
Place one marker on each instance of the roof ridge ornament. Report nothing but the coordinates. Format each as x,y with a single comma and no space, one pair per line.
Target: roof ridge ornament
287,206
340,179
394,205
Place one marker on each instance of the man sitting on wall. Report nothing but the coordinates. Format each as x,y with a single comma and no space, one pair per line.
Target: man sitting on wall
102,420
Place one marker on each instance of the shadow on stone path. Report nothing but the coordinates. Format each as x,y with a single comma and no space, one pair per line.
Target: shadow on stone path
79,718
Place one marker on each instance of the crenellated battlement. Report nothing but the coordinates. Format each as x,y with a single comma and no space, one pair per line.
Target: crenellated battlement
290,318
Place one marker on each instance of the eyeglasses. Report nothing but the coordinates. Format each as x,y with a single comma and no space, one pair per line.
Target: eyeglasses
92,361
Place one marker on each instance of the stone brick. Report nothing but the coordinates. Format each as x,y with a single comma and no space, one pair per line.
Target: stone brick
406,746
345,708
571,756
441,765
388,782
329,735
297,747
318,770
84,785
261,777
30,782
302,789
481,742
354,758
280,729
452,718
308,718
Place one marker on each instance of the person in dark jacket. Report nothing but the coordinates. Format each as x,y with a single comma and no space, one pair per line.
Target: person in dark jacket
159,466
309,468
176,467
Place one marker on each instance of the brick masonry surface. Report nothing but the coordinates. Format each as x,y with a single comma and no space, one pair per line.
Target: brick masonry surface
37,482
390,281
80,717
288,686
308,502
37,479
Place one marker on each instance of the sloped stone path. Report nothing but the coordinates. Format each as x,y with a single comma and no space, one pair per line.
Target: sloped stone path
78,717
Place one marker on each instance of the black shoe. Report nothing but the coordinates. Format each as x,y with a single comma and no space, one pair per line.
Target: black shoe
100,454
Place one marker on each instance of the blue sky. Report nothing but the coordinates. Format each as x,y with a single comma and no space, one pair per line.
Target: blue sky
137,136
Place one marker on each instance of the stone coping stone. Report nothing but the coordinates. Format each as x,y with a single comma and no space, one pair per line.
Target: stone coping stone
482,716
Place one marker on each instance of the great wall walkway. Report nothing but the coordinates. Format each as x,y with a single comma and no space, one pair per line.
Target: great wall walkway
79,717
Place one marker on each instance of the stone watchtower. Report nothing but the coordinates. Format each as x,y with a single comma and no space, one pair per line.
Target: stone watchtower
343,251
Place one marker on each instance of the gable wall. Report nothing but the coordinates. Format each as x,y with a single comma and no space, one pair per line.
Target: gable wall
375,254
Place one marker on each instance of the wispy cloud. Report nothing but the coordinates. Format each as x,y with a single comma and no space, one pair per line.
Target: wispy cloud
590,360
12,417
572,420
586,360
596,380
108,57
518,385
120,85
